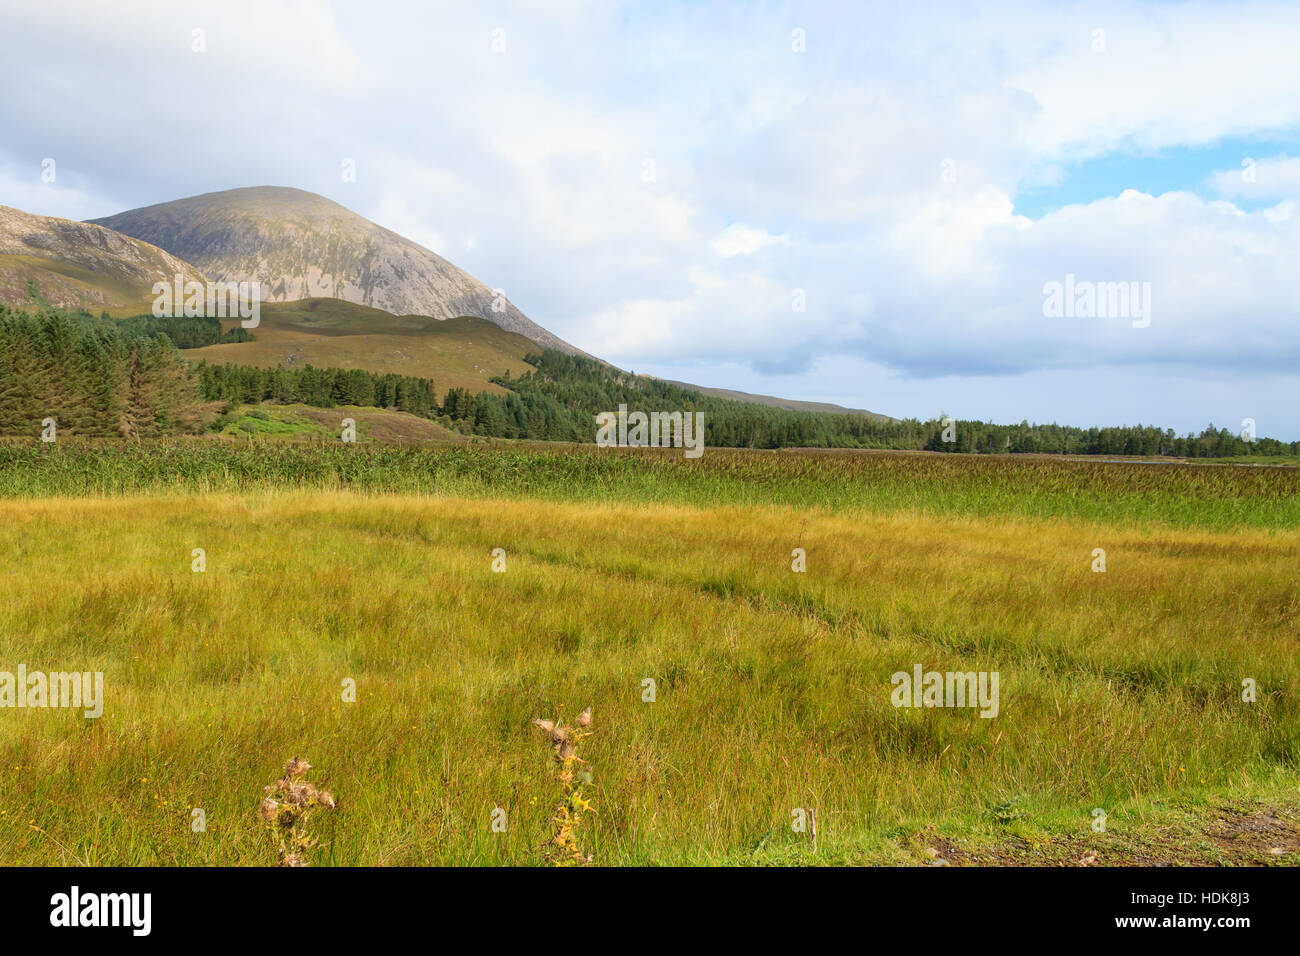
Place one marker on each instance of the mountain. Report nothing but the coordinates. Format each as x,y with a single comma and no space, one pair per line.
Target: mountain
300,245
80,265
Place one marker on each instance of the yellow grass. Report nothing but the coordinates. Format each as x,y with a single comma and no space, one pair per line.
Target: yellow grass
1119,690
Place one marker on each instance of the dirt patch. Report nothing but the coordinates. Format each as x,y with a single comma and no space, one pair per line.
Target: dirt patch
1218,836
1246,837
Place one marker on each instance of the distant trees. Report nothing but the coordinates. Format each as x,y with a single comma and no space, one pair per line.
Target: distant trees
184,332
561,394
324,388
458,404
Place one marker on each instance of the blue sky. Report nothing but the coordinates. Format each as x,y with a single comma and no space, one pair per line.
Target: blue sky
1176,169
664,184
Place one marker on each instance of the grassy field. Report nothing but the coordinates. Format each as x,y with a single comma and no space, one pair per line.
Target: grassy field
464,352
372,563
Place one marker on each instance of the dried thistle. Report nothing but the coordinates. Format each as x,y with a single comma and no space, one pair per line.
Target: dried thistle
562,848
286,808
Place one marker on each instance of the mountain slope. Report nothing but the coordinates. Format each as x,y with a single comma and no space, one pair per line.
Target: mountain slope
300,245
790,404
80,265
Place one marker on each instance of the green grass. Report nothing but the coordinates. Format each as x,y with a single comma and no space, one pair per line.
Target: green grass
270,422
277,422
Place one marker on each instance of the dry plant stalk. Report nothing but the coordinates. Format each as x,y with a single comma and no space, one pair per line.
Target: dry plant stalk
288,805
562,848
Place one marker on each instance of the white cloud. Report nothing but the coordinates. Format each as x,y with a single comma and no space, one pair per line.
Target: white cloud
741,240
1170,75
1277,177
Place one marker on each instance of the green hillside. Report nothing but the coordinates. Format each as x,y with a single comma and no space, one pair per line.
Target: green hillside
463,353
27,281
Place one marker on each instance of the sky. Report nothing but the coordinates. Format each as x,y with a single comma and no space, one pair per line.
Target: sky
858,203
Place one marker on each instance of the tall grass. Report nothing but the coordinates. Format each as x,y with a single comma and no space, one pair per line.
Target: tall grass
1119,690
1192,496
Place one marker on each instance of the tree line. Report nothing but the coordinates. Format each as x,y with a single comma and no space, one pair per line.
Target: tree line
185,332
321,387
573,389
